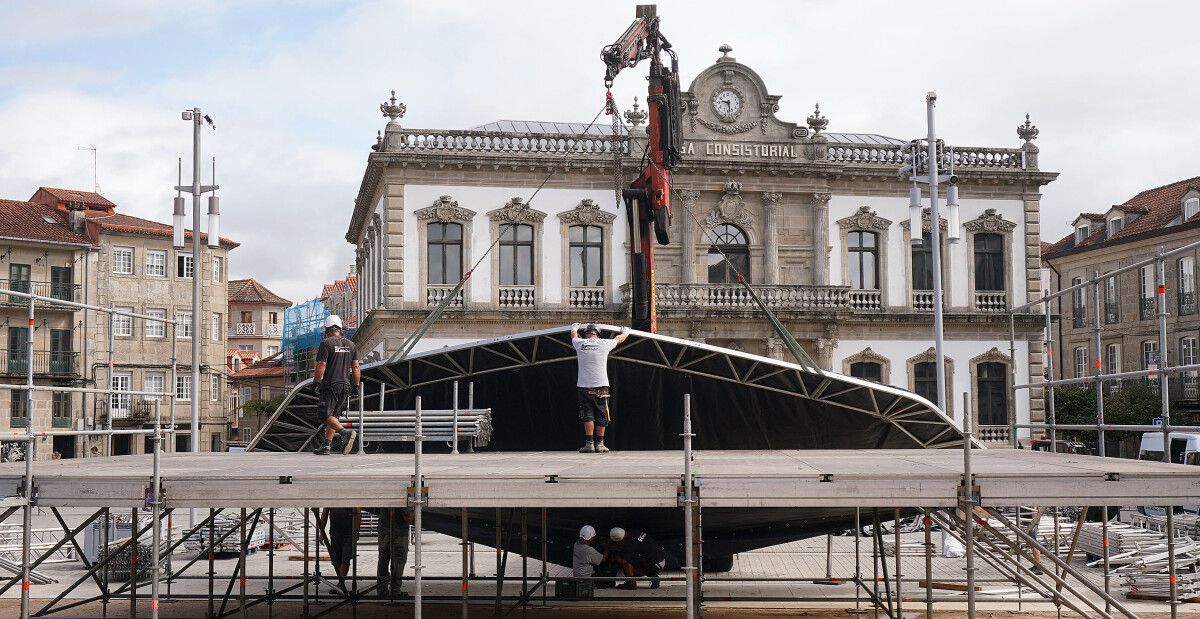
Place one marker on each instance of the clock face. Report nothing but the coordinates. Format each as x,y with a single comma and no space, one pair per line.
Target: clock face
727,104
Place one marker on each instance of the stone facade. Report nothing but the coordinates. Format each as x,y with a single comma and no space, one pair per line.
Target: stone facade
255,318
781,197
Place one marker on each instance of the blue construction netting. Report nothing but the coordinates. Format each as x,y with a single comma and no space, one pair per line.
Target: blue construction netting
302,333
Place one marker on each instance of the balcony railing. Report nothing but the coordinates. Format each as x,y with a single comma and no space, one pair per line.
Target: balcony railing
922,300
126,410
1112,313
893,155
866,300
60,422
1148,309
435,294
45,362
1190,388
734,296
517,297
54,290
1078,316
991,301
256,329
590,297
1187,303
501,142
995,435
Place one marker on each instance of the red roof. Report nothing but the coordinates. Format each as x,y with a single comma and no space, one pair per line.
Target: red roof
36,222
250,291
75,195
352,282
326,290
119,222
1160,206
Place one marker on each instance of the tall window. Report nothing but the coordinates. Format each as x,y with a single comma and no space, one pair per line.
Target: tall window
216,326
155,328
925,380
1146,285
1190,378
587,256
1187,285
1078,303
991,383
1080,358
728,255
18,350
19,410
61,357
922,263
1112,363
122,325
119,402
183,266
18,278
214,387
122,260
155,382
183,325
1115,224
1081,234
60,411
444,253
1112,309
1191,207
1150,357
62,283
989,261
867,370
863,251
218,269
156,263
516,255
183,387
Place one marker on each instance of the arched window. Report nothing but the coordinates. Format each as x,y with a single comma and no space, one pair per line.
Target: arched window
444,254
863,251
516,255
991,380
867,370
989,261
729,255
587,256
925,380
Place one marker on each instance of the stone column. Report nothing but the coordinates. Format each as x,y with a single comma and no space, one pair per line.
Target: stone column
774,347
687,227
770,203
820,219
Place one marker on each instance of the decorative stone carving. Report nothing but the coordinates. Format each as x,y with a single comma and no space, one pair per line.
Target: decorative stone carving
925,218
730,209
393,110
586,213
990,221
864,219
378,145
774,348
445,209
992,356
868,355
516,212
635,116
816,121
821,198
1027,131
771,200
736,346
728,129
689,197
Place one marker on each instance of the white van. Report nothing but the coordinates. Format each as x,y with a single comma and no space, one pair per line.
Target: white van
1185,447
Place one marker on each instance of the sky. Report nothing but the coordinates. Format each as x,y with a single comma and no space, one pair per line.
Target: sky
295,88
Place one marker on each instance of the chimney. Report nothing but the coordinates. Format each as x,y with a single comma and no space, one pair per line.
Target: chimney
353,269
75,216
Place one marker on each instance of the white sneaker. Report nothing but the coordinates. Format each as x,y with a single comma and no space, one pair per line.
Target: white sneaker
600,448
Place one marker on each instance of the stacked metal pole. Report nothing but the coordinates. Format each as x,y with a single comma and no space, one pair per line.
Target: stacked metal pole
418,502
690,568
27,515
155,512
967,505
1160,276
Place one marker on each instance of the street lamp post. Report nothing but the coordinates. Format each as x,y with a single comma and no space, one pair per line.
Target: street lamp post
196,189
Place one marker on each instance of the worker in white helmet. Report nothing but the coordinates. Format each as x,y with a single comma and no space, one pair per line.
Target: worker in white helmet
584,556
638,554
591,385
337,377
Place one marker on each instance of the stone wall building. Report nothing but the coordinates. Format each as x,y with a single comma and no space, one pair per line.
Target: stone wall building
42,253
255,318
1165,217
341,298
818,220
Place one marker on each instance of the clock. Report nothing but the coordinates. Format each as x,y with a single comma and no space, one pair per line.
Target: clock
727,104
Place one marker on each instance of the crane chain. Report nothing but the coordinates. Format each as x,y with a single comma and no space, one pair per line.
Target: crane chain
618,181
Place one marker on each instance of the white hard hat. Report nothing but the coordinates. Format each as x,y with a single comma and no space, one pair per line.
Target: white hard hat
332,320
586,532
616,534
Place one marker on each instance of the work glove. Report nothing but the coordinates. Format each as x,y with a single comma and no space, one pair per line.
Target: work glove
316,389
354,390
576,327
624,330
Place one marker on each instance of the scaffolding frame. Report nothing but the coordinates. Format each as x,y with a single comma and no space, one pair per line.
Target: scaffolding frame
1099,378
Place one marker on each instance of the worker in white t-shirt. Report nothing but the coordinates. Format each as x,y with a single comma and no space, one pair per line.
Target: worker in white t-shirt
592,383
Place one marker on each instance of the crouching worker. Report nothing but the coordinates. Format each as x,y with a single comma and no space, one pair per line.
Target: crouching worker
638,555
336,379
586,560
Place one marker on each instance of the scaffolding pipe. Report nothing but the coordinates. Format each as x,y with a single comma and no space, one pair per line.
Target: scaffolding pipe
454,441
108,417
30,451
1114,376
32,296
690,567
928,522
466,539
967,504
1048,351
418,502
155,512
1097,364
1013,439
362,427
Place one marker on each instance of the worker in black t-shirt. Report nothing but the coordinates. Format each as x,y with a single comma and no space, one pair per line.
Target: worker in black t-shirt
337,378
638,554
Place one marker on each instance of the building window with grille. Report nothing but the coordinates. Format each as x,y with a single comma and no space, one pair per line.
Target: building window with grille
156,263
444,253
863,251
122,325
728,255
1190,378
991,385
516,255
1187,285
1146,286
155,382
1078,304
1112,308
922,263
867,370
19,409
1151,357
183,387
218,269
155,328
587,256
989,262
183,325
122,260
1080,358
214,387
184,268
925,380
60,409
1112,362
62,283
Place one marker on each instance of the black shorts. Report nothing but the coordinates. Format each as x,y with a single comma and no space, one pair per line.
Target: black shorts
333,401
593,405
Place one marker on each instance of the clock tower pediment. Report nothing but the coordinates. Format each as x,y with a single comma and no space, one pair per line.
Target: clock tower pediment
728,101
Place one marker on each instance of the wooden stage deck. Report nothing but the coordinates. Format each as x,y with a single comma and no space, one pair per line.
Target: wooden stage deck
775,478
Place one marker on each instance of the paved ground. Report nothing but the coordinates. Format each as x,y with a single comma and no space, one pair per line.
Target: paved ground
801,561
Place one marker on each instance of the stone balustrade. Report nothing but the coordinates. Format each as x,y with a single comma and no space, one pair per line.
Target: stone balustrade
512,297
991,301
475,141
590,297
434,295
893,155
734,296
995,435
866,300
922,300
